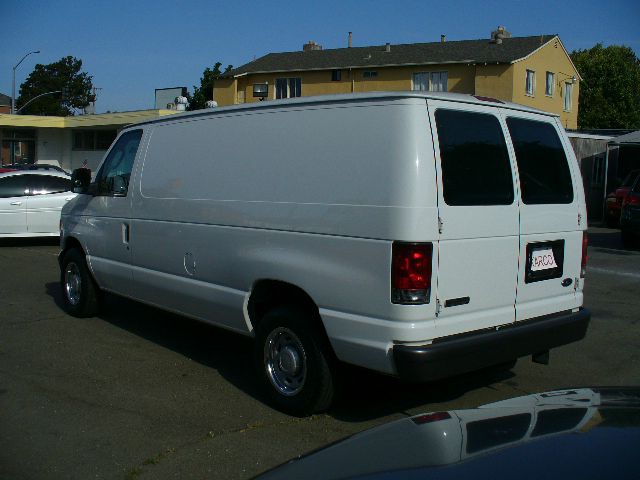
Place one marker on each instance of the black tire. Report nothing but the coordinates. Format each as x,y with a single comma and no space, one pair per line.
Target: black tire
80,294
293,360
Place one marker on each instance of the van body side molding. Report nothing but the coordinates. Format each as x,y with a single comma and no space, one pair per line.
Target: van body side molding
485,348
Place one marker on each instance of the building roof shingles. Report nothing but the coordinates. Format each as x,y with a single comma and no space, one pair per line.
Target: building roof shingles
462,51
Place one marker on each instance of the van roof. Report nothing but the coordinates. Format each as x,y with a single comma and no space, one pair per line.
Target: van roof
349,98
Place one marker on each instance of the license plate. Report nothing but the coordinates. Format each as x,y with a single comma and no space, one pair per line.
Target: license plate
542,259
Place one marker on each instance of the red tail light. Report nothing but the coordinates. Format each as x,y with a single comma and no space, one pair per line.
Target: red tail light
631,199
411,273
585,256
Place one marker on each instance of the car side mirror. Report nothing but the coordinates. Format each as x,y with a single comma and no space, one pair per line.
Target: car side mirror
80,180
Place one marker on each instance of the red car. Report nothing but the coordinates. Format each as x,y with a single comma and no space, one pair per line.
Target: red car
615,198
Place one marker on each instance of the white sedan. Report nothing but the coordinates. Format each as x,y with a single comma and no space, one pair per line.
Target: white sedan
30,202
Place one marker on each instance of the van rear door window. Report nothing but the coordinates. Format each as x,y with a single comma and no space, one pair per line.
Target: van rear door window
542,163
474,159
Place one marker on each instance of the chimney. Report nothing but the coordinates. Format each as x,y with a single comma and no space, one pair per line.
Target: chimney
350,39
443,38
387,47
499,34
307,47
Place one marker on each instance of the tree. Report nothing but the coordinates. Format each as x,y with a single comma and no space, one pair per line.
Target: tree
64,76
204,92
610,90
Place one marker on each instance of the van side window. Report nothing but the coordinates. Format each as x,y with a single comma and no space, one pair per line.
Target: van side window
113,177
474,158
542,163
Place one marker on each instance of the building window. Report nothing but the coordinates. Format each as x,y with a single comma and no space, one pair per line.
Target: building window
551,78
531,83
369,74
93,139
336,75
18,146
288,87
431,81
568,96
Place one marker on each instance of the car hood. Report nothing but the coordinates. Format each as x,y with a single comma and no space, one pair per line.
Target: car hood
576,433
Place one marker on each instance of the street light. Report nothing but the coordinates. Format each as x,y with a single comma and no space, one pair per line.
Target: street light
13,91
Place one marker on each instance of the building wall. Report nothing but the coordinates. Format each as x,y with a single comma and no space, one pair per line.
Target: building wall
460,80
551,57
502,81
49,146
54,135
495,81
77,157
224,91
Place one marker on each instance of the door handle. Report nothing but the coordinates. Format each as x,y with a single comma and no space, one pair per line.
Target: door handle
125,233
15,203
68,199
454,302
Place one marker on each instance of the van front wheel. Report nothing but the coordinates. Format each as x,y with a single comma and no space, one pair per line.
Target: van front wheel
80,294
293,362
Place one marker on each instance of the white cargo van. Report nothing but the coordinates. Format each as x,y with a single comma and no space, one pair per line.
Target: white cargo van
419,235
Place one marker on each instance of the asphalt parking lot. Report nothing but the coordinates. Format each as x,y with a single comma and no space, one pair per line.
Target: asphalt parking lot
140,393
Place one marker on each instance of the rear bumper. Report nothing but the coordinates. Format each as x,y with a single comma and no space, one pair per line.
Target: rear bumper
477,350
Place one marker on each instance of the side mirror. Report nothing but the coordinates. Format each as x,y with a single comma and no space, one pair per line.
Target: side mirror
119,186
81,179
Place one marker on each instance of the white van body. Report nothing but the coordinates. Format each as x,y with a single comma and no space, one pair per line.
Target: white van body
230,212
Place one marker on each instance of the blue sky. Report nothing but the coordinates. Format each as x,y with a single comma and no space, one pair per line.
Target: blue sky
133,47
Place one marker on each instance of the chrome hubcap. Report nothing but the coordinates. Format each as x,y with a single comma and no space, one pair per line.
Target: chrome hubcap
72,283
285,361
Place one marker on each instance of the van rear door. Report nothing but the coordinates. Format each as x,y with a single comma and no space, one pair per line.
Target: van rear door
478,214
551,218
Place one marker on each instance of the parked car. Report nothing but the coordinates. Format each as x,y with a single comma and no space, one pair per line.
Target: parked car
583,433
31,200
615,198
630,216
418,235
36,166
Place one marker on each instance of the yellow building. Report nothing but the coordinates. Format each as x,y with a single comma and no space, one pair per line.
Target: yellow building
535,71
64,141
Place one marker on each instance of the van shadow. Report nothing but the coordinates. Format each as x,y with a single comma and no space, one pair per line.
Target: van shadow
30,242
367,395
362,394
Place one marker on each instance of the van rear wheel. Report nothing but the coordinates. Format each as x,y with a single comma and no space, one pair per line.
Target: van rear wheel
80,294
293,359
